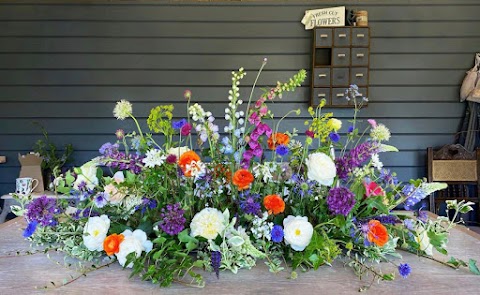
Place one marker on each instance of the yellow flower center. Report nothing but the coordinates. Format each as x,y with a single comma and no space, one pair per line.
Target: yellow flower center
96,233
297,232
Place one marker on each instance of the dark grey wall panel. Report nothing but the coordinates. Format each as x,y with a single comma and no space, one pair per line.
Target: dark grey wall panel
66,65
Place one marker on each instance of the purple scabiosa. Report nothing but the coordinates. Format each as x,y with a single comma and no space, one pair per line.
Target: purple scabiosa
100,199
178,124
172,221
340,200
120,134
404,269
30,229
43,211
277,233
334,136
282,150
216,261
250,203
413,194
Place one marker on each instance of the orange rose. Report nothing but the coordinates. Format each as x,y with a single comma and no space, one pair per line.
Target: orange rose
274,204
277,139
111,244
242,179
186,159
377,233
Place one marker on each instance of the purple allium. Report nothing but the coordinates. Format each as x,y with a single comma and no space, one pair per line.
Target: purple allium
282,150
178,124
277,233
100,200
216,261
172,221
310,133
185,130
340,200
43,211
334,136
30,229
171,159
249,203
413,194
404,269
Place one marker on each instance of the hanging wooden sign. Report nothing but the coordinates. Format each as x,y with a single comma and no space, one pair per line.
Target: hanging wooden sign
326,17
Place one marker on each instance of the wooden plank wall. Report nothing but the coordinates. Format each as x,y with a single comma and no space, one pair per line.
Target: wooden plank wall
65,65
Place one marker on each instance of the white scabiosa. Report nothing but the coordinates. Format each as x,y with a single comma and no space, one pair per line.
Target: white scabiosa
123,109
380,133
321,168
95,231
207,223
298,232
134,242
154,157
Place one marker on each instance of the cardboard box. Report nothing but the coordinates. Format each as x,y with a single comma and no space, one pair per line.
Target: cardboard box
32,167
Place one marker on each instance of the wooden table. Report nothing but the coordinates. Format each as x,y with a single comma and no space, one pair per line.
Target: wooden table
28,274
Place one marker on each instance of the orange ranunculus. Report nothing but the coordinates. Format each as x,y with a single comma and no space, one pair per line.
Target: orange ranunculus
277,139
377,233
274,204
111,244
186,159
242,179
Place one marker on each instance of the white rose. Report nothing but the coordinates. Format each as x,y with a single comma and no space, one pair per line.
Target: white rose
178,151
134,242
298,232
424,241
95,231
207,223
321,168
88,175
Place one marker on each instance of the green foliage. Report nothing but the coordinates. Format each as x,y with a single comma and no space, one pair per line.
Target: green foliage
321,250
53,158
160,120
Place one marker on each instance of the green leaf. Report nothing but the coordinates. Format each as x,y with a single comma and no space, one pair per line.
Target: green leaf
159,240
236,241
472,265
69,178
146,226
388,277
118,228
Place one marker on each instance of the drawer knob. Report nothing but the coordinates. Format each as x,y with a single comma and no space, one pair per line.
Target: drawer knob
360,55
341,55
359,95
323,36
322,75
342,35
360,35
321,95
340,94
359,75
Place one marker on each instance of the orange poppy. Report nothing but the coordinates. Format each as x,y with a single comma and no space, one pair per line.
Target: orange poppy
377,233
277,139
242,179
111,244
186,159
274,204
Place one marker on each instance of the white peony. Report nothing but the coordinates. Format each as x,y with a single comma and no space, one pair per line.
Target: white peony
95,231
321,168
423,240
207,223
178,151
297,232
88,175
133,242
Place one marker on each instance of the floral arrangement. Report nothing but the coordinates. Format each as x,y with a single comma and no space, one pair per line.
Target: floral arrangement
184,197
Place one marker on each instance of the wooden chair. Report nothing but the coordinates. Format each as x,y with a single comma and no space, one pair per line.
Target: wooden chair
460,169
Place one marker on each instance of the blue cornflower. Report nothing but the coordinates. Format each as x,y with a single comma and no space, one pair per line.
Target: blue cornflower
404,269
350,129
334,136
100,200
249,203
302,187
282,150
30,229
178,124
277,233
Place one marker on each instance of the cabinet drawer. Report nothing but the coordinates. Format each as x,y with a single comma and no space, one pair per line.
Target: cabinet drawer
323,37
340,76
319,94
341,56
322,77
360,37
341,37
359,76
338,96
359,56
362,92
